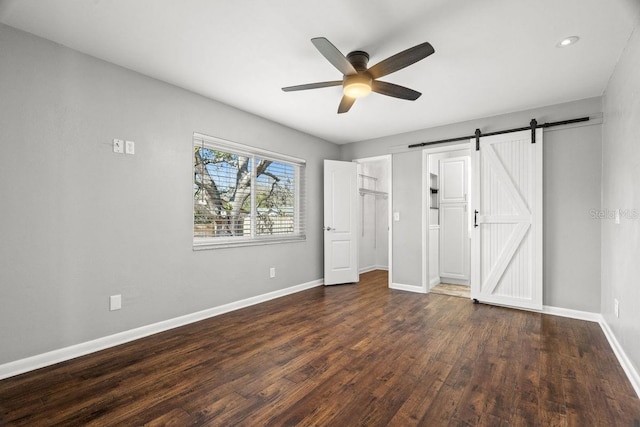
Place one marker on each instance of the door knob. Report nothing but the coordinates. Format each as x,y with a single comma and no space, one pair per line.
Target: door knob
328,228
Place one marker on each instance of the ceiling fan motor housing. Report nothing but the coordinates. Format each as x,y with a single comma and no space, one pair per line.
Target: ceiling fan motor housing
357,85
359,60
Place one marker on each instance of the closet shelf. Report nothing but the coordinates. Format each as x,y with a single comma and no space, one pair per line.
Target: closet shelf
376,193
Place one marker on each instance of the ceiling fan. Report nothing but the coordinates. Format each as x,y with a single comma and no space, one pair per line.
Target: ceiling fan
358,80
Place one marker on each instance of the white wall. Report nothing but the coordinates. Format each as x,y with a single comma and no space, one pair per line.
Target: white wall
572,160
621,190
80,223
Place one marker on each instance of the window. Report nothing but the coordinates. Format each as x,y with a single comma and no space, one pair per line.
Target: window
245,196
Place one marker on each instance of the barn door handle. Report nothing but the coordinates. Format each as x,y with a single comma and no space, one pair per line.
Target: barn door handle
475,219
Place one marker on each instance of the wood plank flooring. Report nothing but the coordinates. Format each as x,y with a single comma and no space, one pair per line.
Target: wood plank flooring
452,290
349,355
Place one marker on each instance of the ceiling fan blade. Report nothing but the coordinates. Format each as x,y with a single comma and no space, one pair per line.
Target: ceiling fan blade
312,86
333,55
394,90
401,60
345,104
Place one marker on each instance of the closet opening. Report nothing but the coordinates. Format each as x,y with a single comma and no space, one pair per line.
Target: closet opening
374,212
447,234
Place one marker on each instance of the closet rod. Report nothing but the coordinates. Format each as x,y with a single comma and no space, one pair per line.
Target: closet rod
500,132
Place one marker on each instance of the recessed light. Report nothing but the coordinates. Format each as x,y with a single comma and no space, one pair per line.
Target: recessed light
568,41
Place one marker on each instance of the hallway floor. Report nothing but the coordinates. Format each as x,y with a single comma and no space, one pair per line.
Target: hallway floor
451,290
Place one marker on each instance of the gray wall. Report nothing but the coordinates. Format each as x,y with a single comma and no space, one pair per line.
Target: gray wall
621,190
80,223
572,172
572,160
406,265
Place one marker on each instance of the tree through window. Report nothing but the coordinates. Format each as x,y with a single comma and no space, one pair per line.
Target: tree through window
243,195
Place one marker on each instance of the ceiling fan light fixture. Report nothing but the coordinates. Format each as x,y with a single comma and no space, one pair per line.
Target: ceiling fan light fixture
357,90
357,86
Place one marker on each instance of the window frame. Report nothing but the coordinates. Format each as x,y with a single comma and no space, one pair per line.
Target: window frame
299,234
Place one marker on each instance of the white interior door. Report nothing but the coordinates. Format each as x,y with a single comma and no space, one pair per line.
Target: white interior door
507,233
453,179
340,222
454,223
454,242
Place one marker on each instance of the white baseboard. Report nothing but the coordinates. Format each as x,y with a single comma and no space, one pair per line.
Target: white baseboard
409,288
373,268
573,314
60,355
452,281
628,367
433,282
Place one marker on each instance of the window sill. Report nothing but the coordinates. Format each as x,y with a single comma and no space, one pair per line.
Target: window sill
204,244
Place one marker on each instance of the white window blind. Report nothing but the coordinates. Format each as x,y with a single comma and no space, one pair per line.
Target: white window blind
244,196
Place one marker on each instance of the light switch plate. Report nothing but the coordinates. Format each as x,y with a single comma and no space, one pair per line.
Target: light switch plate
118,146
396,216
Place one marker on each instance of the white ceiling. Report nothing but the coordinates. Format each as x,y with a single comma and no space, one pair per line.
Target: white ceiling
492,56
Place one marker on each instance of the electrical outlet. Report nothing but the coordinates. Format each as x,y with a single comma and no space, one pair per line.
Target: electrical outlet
115,302
616,307
272,272
118,146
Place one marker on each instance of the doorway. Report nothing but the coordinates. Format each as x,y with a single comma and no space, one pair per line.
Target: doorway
505,228
446,222
374,213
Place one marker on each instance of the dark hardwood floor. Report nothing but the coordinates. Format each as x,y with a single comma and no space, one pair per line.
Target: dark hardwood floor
346,355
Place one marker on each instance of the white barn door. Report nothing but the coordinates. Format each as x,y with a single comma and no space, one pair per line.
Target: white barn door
506,251
340,222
